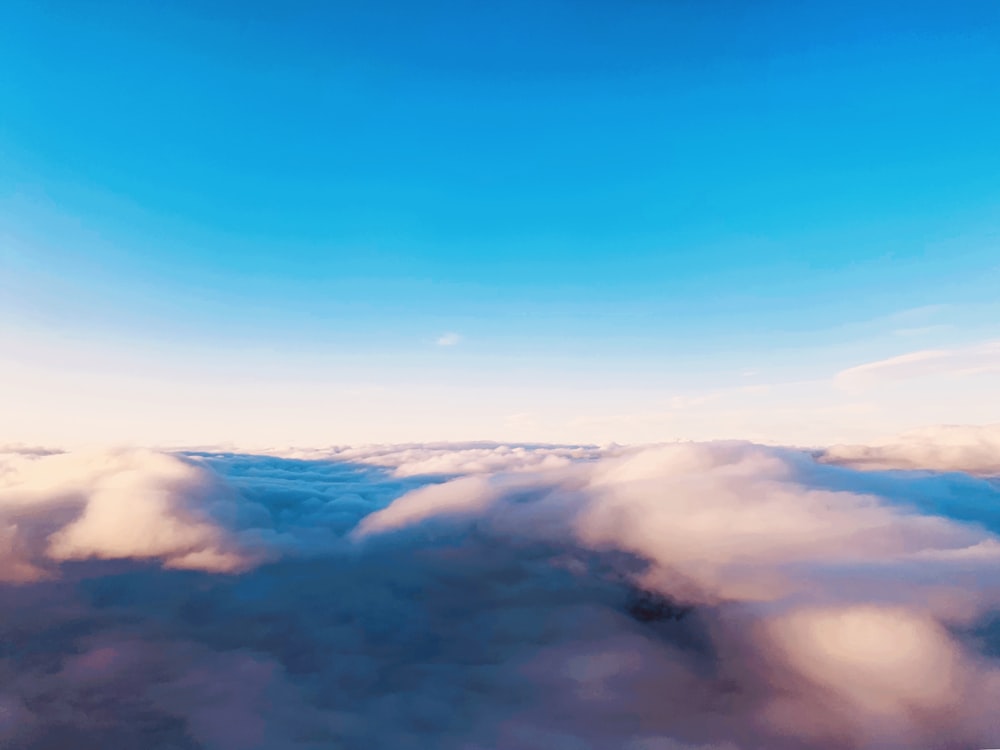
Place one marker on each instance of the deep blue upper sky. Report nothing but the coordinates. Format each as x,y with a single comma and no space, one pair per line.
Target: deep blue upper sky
605,185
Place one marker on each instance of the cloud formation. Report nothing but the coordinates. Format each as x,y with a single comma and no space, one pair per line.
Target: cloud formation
713,596
128,504
970,360
448,459
966,448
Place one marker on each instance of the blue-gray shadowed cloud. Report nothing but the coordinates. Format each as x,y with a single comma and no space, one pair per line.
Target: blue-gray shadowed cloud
698,596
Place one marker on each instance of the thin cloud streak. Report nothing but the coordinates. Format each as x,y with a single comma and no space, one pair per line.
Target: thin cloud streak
971,360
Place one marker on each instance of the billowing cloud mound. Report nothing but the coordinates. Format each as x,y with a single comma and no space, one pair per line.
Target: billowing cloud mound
126,504
718,596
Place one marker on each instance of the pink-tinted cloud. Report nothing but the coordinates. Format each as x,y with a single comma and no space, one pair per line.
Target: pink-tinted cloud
720,596
966,448
127,504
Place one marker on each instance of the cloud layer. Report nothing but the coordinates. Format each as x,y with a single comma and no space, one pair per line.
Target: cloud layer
714,596
970,449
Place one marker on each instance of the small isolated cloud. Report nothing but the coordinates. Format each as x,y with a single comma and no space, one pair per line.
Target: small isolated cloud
449,339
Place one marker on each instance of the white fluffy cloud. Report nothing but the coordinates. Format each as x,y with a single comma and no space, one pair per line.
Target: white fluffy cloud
457,458
128,504
720,596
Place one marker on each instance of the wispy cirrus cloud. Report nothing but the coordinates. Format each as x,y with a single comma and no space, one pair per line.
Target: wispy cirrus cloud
975,359
449,339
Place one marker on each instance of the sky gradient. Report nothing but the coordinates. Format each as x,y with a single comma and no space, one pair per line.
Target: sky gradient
313,223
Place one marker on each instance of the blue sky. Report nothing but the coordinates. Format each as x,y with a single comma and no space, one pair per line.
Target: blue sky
640,220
